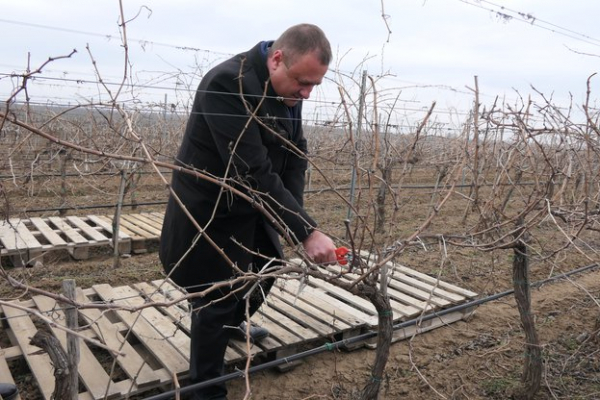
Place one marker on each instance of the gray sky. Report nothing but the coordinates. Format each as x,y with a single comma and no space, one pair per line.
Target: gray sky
433,52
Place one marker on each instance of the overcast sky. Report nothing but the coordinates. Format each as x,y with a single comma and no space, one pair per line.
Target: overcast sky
553,45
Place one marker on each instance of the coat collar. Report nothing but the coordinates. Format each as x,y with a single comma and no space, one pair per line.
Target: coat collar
256,57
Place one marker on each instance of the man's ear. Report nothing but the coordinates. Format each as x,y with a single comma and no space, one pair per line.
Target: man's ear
277,57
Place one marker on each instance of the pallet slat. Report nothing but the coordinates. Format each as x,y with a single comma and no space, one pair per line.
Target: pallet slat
148,222
299,316
403,302
15,236
134,225
412,292
39,363
178,315
136,368
107,221
170,332
68,230
106,224
88,230
51,236
319,299
94,378
31,243
154,340
425,278
320,316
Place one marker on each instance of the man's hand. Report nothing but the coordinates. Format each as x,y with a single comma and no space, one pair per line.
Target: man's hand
320,248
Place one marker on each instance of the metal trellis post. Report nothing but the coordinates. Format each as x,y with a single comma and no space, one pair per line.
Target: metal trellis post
361,106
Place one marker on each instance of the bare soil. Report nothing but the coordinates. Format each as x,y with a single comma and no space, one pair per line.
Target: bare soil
481,358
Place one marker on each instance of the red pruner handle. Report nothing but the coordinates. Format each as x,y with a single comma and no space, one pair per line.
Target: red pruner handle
341,254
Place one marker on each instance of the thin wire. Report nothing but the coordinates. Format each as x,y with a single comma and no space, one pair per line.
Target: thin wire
333,103
534,19
130,86
109,36
529,19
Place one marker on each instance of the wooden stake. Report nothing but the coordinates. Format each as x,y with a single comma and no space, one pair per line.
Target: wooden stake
72,340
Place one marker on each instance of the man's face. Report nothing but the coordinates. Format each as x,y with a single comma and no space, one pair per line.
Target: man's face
294,82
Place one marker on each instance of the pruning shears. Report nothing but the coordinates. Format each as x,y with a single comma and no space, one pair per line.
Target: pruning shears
343,255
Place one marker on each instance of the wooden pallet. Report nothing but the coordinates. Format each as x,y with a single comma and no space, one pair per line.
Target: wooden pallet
143,228
153,342
27,240
411,295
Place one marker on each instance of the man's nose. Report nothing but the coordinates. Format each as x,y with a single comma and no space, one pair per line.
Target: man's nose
305,92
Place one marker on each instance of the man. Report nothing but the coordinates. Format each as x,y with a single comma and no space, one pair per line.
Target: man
245,131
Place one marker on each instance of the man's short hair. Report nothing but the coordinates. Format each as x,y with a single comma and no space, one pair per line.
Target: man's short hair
302,39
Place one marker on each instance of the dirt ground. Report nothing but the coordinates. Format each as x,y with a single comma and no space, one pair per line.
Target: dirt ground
480,358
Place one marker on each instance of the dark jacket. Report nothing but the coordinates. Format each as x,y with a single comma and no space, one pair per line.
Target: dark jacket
222,140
